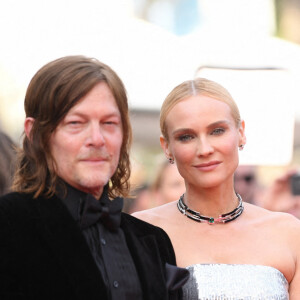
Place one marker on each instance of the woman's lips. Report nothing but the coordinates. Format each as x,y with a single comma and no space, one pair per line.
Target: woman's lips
208,166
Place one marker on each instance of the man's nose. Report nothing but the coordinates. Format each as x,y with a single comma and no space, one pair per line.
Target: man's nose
95,136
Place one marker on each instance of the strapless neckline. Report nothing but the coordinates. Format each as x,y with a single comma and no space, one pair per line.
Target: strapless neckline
235,282
222,264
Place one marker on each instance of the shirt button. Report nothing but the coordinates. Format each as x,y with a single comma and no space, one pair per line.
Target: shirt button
116,284
103,241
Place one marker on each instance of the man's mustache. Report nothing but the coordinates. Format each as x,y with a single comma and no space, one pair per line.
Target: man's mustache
94,155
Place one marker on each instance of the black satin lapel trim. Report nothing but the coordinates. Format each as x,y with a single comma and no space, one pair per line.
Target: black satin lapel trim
63,235
145,255
176,277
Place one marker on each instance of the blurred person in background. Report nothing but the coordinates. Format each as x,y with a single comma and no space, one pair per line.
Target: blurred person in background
246,183
7,162
233,249
277,196
141,199
281,196
168,184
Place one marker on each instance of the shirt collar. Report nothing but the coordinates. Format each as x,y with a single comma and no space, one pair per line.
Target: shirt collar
75,199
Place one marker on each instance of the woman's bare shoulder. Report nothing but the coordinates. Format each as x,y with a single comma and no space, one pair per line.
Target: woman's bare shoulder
157,215
289,224
282,221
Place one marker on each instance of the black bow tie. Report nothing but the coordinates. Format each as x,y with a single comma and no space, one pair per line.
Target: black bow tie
107,212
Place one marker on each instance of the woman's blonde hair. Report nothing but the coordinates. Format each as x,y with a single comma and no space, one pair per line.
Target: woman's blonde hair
199,86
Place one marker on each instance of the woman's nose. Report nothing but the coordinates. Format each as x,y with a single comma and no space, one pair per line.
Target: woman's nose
204,147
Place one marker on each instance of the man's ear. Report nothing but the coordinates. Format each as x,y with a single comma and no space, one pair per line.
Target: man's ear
165,146
28,126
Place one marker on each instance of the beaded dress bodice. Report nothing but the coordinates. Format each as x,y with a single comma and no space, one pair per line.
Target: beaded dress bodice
235,282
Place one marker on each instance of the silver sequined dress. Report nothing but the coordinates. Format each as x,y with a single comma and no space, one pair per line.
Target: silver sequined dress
235,282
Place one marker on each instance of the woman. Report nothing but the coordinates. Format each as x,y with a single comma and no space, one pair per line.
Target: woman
233,250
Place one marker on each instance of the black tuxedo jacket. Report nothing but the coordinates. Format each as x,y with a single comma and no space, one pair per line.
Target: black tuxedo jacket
44,255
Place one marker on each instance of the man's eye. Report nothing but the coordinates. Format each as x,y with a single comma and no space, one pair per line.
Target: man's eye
113,121
74,123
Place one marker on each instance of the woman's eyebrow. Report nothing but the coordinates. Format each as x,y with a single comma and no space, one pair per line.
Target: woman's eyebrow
221,122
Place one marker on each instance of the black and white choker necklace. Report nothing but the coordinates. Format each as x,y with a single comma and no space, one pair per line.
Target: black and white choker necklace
224,218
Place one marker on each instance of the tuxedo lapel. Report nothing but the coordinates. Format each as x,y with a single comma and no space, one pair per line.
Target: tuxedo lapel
62,234
146,257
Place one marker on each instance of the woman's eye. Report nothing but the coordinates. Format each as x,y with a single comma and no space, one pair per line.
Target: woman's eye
185,137
218,131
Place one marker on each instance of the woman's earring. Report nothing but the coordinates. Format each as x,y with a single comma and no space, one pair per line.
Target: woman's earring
171,160
241,147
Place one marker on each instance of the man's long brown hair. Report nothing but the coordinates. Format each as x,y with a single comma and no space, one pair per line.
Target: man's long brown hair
52,92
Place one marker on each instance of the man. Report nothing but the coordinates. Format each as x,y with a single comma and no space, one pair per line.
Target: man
62,234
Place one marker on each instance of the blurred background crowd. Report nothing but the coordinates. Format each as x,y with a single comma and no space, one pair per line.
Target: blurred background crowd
251,47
